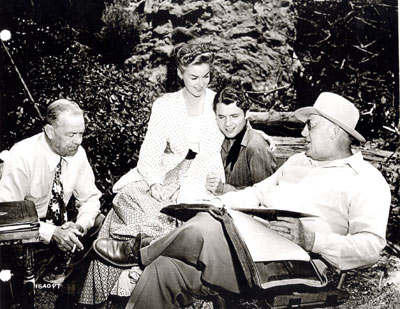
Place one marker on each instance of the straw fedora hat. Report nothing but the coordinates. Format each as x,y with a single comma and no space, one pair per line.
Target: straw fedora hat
336,109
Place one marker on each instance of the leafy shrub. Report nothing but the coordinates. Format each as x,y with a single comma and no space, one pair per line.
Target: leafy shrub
350,47
120,33
117,102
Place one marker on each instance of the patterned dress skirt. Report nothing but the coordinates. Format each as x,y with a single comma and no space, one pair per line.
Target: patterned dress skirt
134,210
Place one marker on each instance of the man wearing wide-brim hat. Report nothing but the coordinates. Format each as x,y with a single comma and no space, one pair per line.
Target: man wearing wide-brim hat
348,196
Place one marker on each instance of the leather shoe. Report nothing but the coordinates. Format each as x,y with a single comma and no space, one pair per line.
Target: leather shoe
122,253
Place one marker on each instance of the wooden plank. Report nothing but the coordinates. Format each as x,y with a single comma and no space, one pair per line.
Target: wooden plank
287,146
273,118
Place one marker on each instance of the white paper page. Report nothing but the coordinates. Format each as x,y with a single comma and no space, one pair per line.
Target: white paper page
263,243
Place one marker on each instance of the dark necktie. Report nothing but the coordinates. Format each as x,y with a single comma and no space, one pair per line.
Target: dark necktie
56,211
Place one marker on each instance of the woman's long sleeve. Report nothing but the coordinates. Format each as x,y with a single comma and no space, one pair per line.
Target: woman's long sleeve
153,147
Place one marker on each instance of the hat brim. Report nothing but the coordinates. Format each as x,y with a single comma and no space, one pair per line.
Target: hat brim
303,114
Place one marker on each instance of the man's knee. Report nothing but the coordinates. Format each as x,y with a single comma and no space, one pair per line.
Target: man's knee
203,223
201,229
162,266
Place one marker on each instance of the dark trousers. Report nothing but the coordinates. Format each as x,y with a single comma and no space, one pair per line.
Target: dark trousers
193,260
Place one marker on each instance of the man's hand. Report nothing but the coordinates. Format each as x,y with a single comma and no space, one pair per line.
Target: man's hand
156,191
292,229
214,183
76,228
66,236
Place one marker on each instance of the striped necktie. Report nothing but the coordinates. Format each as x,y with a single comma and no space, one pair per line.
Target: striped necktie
56,211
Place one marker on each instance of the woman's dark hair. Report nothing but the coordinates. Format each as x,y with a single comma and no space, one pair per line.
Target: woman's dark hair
231,94
191,54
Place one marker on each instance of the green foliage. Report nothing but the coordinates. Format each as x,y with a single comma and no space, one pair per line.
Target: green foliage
120,34
390,169
350,47
117,102
39,53
117,105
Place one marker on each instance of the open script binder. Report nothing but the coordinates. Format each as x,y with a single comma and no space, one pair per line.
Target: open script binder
267,259
185,212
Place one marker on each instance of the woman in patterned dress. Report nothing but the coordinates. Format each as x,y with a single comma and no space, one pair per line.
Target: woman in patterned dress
182,145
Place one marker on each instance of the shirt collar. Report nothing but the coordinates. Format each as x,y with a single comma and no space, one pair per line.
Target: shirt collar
52,158
246,136
353,162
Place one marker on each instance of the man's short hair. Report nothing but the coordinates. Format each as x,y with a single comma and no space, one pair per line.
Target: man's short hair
230,95
61,106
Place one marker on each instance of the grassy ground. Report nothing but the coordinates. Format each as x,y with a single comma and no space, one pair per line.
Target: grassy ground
370,288
375,287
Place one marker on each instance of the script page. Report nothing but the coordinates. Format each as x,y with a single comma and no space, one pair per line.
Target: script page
263,243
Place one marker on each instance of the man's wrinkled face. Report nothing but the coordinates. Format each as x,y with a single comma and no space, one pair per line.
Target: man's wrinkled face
230,118
316,133
66,134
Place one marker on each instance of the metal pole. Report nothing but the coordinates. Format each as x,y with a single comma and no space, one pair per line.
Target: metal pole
22,81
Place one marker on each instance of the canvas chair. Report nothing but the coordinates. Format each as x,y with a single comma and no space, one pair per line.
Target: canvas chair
293,297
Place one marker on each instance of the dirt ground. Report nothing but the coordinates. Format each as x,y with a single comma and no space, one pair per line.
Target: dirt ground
375,287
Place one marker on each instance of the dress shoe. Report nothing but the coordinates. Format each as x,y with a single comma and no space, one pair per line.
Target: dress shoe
122,253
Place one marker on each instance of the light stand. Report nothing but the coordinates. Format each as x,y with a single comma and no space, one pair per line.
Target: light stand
5,35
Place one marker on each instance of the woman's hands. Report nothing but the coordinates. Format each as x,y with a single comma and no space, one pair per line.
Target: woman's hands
161,193
156,191
214,184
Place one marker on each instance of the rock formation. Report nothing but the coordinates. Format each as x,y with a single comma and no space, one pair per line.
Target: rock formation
252,39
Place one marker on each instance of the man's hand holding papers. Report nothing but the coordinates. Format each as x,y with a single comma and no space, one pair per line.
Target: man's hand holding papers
293,229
